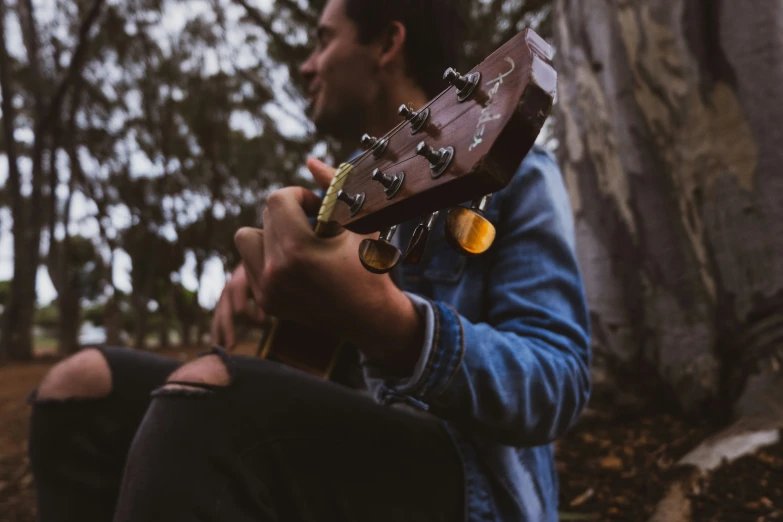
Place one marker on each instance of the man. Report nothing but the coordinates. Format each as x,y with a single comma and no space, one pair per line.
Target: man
493,350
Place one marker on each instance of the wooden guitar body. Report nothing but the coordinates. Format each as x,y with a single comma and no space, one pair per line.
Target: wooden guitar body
300,346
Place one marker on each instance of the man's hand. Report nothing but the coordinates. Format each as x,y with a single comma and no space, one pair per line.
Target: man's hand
234,298
319,282
233,301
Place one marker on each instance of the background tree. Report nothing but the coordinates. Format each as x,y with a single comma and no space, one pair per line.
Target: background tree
44,86
110,94
669,127
80,277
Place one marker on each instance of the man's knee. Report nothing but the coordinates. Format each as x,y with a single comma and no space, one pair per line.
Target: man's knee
84,375
207,371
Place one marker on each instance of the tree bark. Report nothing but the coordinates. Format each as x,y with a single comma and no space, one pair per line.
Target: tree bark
186,333
18,316
140,302
112,321
70,321
16,339
669,129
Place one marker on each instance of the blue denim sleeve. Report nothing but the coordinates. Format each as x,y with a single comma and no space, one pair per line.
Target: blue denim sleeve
521,377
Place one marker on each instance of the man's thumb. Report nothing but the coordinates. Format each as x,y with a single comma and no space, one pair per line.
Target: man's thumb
322,173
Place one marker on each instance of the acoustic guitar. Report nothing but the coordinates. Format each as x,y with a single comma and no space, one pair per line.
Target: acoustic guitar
464,145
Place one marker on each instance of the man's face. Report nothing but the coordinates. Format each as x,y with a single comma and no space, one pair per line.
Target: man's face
341,74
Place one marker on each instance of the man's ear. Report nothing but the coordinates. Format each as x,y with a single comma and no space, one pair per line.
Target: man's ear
393,44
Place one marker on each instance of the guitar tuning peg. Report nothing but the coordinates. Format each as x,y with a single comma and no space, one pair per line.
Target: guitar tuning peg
391,182
465,85
354,202
379,255
418,243
468,230
439,159
377,146
417,119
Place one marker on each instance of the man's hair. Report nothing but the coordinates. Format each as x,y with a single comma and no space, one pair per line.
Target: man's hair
433,34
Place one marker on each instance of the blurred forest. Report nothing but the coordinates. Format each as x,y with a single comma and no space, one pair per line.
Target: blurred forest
152,130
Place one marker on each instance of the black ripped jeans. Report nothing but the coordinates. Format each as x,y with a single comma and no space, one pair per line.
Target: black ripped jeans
274,444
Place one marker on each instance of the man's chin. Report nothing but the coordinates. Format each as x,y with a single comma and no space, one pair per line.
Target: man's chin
334,127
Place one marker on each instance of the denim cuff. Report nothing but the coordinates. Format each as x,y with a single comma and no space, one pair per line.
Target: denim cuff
448,351
440,359
376,376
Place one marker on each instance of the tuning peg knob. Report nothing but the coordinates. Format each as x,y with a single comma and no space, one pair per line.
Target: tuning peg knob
377,146
368,142
390,182
439,159
354,202
379,255
406,112
416,119
465,85
468,230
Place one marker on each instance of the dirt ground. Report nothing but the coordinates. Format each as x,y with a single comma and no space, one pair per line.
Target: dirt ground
614,465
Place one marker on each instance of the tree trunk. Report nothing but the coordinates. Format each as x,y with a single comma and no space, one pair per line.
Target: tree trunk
140,301
112,322
70,321
16,340
186,333
670,142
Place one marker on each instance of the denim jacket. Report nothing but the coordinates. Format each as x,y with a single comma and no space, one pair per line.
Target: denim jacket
505,363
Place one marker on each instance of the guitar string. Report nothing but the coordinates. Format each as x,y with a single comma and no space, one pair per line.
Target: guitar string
331,205
389,135
334,204
355,162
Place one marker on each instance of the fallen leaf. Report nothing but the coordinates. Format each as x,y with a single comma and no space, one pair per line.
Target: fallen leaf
581,499
611,462
664,461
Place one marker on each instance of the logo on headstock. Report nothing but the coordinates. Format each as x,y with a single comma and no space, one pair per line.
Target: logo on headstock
486,115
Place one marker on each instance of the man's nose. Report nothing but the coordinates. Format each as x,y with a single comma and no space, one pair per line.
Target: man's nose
307,69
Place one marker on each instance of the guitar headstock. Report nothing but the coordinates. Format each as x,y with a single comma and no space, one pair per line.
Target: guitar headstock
464,144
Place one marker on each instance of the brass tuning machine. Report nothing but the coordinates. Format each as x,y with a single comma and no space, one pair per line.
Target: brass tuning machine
468,230
379,255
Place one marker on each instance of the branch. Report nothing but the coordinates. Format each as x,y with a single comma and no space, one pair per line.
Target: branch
306,15
262,22
75,67
30,36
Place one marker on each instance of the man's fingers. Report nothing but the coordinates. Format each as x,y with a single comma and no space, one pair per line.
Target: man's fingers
250,244
223,325
238,288
294,202
322,173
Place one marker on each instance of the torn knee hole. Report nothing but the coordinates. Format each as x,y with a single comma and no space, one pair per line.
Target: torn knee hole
85,375
202,375
176,388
